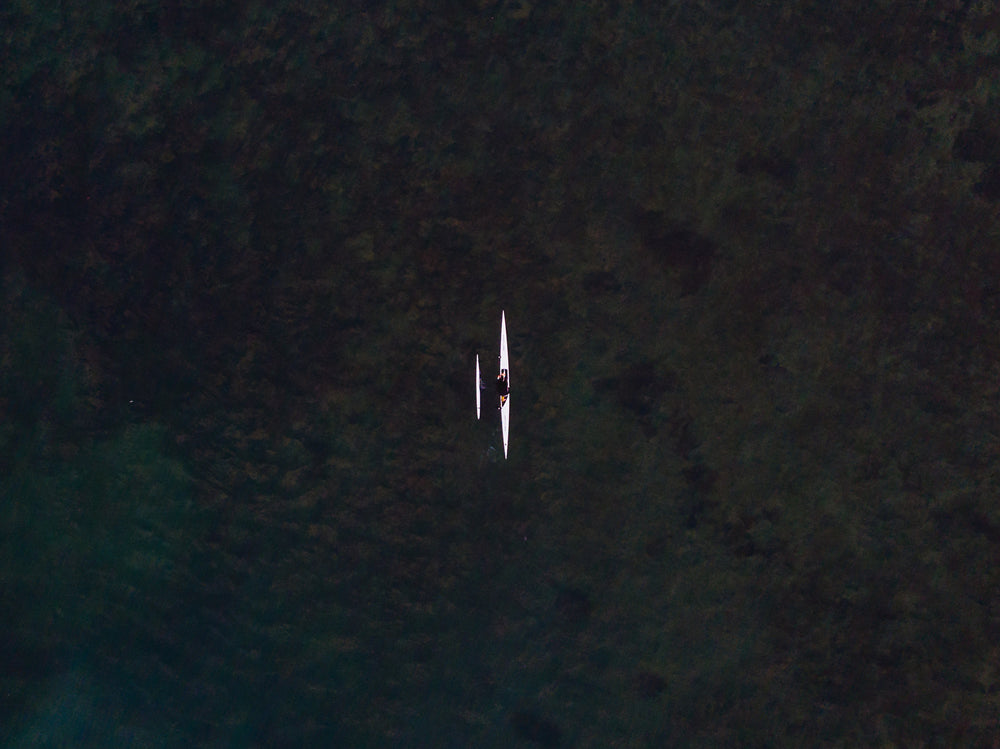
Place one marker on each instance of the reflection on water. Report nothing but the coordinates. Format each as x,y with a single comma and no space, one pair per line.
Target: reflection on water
489,456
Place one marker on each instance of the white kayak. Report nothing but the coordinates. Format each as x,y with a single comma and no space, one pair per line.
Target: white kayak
504,366
479,386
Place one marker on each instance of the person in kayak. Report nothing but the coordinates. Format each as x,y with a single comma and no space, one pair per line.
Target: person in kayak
503,389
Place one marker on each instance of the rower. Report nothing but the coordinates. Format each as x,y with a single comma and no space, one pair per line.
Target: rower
503,389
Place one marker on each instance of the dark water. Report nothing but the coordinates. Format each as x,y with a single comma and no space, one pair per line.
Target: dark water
748,257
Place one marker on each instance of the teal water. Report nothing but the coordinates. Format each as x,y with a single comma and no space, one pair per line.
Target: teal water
747,257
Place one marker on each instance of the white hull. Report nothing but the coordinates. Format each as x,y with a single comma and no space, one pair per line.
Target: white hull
504,364
479,386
